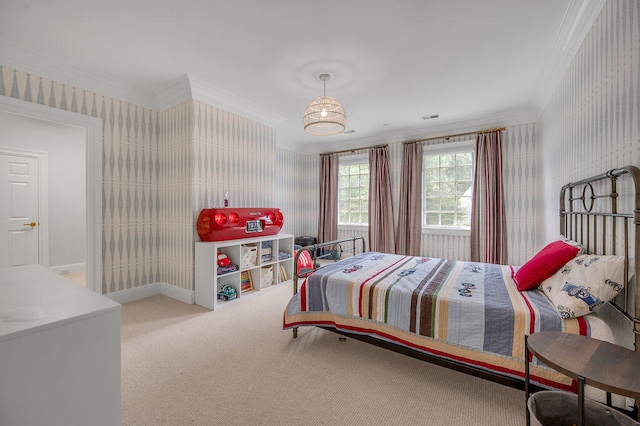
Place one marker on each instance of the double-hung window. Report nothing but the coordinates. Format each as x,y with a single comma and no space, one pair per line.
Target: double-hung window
353,190
448,186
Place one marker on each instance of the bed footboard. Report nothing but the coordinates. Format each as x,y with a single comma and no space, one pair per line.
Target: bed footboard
336,250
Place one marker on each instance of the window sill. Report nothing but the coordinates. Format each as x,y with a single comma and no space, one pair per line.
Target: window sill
437,230
352,227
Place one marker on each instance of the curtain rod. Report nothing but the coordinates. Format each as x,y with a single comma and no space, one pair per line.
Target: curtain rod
497,129
354,149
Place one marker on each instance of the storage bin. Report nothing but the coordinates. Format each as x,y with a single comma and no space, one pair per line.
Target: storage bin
249,255
561,409
266,276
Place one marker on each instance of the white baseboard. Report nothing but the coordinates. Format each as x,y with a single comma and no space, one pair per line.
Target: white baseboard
149,290
181,294
65,269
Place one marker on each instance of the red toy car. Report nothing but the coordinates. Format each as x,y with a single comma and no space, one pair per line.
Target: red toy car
222,224
223,260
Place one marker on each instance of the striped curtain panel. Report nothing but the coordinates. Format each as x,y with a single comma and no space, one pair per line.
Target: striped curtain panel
488,223
409,234
381,228
328,215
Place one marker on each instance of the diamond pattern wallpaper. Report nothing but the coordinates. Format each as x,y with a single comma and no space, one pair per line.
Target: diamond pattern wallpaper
131,168
159,170
590,125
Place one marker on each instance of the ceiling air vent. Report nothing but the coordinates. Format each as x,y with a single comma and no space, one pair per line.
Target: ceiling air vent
429,117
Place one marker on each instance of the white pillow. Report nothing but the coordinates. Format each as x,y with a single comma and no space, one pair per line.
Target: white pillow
572,243
585,283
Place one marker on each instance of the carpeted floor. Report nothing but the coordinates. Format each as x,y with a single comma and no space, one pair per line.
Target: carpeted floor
186,365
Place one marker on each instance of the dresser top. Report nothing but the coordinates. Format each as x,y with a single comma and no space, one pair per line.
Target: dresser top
33,298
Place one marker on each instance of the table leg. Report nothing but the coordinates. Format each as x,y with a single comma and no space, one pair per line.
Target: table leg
526,380
581,419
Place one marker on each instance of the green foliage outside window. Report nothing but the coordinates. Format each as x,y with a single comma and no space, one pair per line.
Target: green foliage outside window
448,180
353,197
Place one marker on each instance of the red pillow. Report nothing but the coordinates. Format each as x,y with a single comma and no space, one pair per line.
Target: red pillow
544,264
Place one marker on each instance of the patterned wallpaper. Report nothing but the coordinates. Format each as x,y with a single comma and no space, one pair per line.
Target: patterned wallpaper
159,170
176,227
520,162
296,196
131,170
590,124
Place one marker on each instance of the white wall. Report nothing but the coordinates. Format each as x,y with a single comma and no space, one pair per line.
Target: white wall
66,148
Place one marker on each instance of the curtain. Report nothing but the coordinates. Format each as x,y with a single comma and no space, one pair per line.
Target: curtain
328,205
488,223
381,232
409,234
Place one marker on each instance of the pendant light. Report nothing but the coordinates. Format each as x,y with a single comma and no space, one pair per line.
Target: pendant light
325,115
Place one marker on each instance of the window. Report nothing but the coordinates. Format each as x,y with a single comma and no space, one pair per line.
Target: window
353,188
448,185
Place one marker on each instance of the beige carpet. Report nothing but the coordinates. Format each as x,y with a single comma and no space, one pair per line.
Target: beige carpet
185,365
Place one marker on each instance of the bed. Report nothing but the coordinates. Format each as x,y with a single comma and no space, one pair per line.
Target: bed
473,317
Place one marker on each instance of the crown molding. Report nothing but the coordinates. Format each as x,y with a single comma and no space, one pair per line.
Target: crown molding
182,89
576,23
188,87
48,66
173,93
208,93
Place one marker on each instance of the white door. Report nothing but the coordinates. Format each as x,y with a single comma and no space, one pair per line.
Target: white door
19,231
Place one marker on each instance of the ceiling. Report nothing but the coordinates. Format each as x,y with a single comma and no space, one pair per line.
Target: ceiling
475,64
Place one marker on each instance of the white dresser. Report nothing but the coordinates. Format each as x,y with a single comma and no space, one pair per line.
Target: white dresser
59,351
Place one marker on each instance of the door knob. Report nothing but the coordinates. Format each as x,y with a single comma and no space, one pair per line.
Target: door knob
32,224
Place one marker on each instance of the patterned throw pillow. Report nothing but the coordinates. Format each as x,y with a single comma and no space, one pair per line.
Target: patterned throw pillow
584,284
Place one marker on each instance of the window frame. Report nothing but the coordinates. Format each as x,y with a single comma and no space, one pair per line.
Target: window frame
350,160
440,149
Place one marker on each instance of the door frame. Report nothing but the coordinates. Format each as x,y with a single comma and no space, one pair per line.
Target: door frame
42,159
93,126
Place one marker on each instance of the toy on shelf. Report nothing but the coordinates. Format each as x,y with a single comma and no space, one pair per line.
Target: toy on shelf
227,292
224,264
223,260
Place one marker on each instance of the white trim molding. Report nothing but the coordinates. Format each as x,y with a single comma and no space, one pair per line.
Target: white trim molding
187,87
66,269
576,23
93,126
51,67
149,290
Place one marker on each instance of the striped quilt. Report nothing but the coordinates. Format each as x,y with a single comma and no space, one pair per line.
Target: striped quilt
462,311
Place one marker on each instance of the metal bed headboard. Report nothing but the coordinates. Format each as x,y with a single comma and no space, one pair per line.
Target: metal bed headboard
607,231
